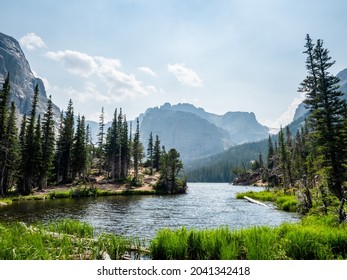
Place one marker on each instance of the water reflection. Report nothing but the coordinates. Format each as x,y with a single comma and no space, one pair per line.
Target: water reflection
205,206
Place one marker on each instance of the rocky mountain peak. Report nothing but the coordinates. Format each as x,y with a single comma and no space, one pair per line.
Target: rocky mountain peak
22,79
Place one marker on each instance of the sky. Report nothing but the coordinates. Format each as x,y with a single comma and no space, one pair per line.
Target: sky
220,55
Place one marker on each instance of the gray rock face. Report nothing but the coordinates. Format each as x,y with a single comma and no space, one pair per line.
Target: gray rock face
22,79
196,133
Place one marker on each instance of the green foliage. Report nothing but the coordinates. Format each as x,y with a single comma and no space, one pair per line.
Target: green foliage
287,203
314,239
63,169
28,157
72,227
283,201
64,240
78,150
218,168
170,167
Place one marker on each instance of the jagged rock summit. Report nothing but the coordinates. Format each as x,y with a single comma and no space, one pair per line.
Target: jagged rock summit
22,79
196,133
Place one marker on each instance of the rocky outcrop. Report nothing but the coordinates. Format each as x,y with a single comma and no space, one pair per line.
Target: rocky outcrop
22,79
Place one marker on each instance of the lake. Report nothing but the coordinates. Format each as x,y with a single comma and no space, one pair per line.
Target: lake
206,205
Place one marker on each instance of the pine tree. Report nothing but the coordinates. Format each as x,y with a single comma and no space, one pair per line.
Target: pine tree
283,158
136,151
111,145
125,151
119,145
4,100
156,153
171,165
10,153
327,108
78,152
48,141
150,153
38,156
28,156
101,136
64,146
4,113
270,153
58,168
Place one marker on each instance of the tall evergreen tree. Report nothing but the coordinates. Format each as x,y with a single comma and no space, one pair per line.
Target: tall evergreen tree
136,151
101,136
10,153
156,153
28,155
111,145
37,144
4,112
125,151
78,152
4,102
48,142
64,145
327,108
150,152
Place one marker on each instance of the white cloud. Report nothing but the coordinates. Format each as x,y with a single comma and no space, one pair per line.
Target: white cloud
184,75
119,84
147,70
288,115
77,63
32,42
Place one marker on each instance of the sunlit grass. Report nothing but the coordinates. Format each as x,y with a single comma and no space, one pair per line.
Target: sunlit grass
283,202
65,240
313,239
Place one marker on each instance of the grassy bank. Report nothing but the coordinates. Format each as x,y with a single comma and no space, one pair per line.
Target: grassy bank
283,201
315,238
65,240
76,192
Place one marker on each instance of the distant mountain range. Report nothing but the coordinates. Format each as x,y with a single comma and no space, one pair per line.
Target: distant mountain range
195,133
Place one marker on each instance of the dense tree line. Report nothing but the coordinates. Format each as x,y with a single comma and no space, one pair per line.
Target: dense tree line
313,160
224,167
46,151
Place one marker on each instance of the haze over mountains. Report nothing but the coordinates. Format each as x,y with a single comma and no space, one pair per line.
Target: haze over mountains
194,132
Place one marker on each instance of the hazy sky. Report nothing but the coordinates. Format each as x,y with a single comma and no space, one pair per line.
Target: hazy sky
221,55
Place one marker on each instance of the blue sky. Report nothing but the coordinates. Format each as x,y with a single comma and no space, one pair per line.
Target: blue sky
221,55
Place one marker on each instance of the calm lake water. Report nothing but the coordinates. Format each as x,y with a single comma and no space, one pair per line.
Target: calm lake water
205,205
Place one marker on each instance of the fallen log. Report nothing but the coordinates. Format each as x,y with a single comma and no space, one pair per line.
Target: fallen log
255,201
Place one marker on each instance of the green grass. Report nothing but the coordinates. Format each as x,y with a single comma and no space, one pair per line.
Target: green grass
284,202
315,238
65,240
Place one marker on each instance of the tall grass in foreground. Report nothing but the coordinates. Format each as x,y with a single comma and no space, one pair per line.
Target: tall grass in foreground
313,238
67,239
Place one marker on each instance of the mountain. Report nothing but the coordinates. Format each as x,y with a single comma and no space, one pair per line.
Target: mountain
342,75
196,133
22,79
